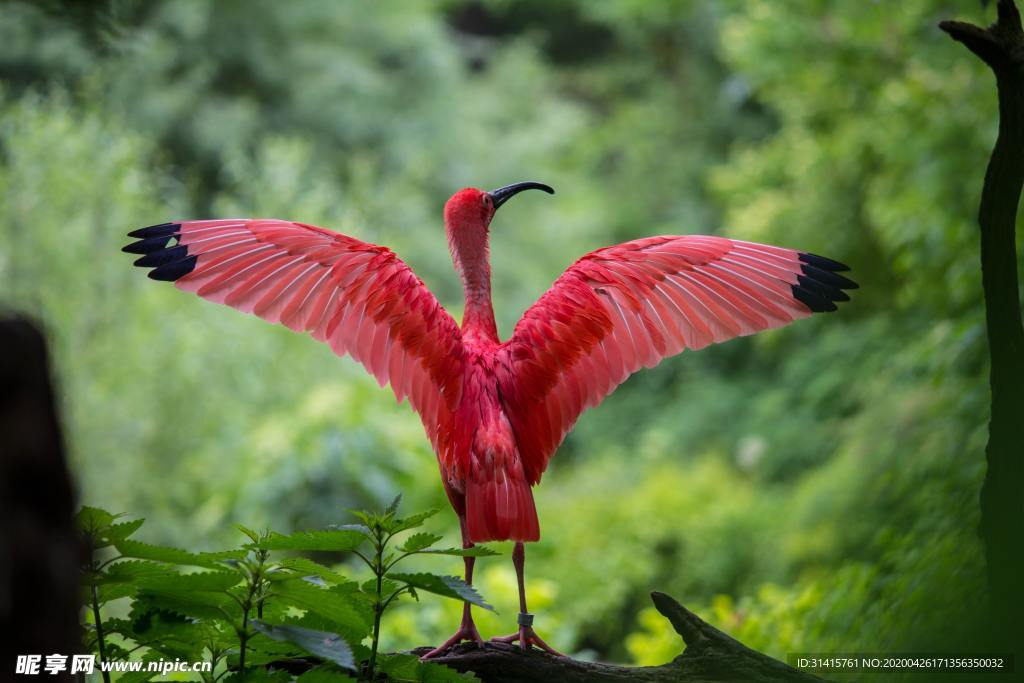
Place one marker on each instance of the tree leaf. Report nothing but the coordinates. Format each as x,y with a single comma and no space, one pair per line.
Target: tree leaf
318,623
368,589
255,674
366,517
187,584
118,532
200,605
169,633
411,522
393,508
361,528
92,519
115,651
218,557
137,676
335,604
448,586
301,567
129,571
96,524
329,646
418,542
326,540
151,622
263,650
107,593
145,551
325,674
122,626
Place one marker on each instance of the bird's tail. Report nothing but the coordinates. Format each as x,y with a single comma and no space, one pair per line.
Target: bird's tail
500,508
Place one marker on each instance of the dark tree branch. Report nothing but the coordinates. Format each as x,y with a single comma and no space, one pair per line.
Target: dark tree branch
710,655
39,549
1001,47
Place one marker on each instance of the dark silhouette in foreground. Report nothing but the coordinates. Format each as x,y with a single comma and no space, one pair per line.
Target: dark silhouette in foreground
1001,47
39,549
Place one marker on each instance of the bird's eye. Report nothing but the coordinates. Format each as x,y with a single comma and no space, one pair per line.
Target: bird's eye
485,199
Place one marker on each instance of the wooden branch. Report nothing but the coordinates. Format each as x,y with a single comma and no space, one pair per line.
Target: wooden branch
710,655
1001,47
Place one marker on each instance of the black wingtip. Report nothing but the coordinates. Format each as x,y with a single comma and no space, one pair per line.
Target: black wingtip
819,286
162,229
159,249
823,263
147,246
159,258
170,272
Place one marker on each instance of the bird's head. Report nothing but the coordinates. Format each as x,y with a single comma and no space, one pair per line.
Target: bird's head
471,210
467,216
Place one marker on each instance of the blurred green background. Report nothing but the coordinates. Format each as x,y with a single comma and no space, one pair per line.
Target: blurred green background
808,489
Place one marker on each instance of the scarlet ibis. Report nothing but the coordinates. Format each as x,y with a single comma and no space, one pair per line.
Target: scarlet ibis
495,411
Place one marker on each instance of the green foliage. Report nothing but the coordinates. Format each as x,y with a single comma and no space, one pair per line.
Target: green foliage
448,586
328,646
242,611
332,540
813,485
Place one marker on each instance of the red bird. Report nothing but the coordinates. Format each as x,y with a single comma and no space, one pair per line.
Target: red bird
495,411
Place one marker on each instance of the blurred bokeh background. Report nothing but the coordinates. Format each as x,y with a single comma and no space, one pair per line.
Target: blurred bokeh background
809,489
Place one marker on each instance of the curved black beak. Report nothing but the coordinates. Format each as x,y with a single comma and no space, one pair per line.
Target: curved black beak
503,194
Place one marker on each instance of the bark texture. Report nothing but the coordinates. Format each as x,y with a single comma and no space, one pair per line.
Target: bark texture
1001,47
710,656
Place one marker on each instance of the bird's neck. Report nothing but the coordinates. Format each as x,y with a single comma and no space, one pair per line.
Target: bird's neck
472,261
478,314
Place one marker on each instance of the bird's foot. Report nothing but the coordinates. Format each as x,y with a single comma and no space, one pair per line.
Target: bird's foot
527,637
466,632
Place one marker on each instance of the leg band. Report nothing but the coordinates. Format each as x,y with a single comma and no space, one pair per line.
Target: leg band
525,619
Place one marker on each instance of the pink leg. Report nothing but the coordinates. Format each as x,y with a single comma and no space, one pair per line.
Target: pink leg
526,635
467,629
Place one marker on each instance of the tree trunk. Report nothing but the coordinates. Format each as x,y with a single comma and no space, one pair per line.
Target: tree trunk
39,549
710,656
1001,47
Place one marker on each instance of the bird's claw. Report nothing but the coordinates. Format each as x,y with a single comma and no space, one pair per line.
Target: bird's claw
527,637
465,632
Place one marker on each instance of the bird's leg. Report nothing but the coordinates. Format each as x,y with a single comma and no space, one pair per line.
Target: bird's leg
467,629
526,635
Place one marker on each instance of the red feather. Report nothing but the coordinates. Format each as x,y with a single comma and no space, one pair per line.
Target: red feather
494,412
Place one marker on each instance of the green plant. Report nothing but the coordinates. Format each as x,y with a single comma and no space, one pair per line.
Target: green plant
249,615
804,458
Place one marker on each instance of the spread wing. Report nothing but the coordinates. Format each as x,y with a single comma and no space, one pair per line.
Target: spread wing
629,306
357,297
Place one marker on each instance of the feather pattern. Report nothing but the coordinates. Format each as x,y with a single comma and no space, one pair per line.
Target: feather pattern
357,297
495,412
629,306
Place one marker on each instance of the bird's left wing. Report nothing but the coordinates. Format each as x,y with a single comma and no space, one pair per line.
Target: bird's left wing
628,306
357,297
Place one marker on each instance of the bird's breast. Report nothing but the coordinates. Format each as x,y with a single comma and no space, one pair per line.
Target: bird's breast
486,437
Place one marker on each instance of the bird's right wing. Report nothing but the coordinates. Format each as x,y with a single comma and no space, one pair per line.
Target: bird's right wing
628,306
357,297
